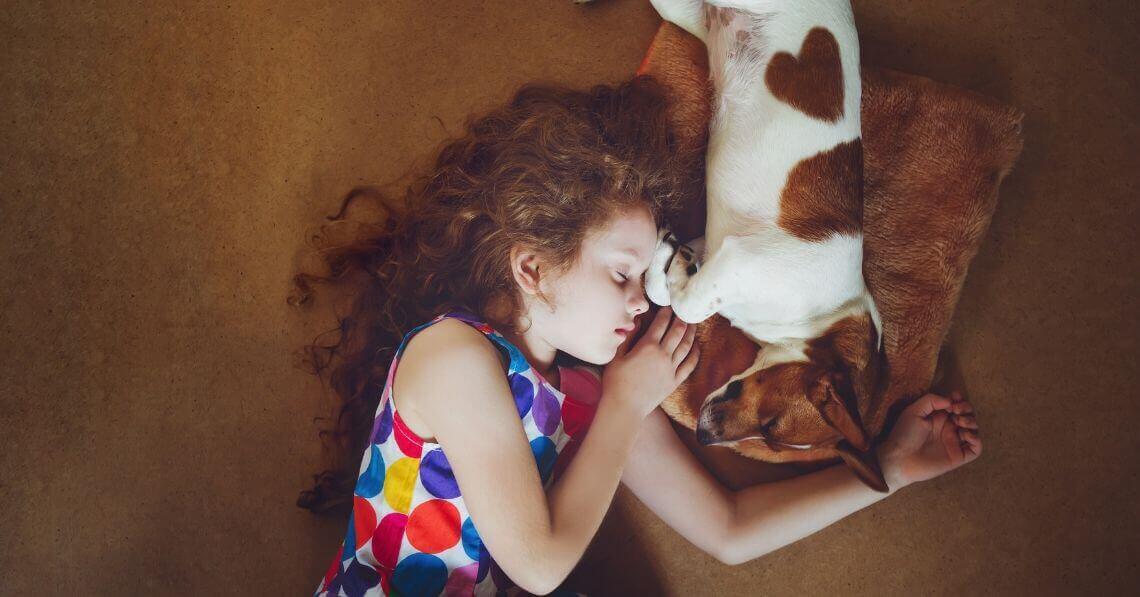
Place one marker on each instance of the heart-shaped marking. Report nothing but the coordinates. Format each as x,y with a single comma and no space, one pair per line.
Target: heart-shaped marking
813,82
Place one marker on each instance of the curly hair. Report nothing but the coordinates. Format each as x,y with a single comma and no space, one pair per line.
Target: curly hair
540,172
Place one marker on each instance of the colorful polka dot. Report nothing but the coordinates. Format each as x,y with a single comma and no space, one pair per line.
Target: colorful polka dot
523,391
420,574
372,479
348,549
409,444
364,520
434,526
544,455
437,476
386,539
471,540
518,361
359,578
547,412
383,427
401,483
462,580
576,417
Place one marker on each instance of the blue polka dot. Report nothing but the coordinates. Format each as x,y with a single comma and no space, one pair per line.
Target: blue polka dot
544,455
420,574
518,361
471,540
523,391
350,539
437,476
372,479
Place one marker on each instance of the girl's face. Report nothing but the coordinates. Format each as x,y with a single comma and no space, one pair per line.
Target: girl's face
602,292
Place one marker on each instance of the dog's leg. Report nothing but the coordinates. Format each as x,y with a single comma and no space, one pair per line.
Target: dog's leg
686,14
656,286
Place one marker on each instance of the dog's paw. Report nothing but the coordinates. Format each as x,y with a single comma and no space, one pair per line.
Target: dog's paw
656,282
682,267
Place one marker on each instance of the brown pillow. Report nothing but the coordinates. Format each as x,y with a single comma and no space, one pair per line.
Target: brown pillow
934,156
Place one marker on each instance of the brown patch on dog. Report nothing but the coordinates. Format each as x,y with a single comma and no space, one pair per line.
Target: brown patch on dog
813,82
824,194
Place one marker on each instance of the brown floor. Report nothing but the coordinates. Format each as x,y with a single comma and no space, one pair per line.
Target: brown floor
160,168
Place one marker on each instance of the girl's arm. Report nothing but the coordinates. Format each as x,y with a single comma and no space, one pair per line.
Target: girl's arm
737,526
452,378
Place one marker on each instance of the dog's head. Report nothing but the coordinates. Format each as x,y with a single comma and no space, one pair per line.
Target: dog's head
804,402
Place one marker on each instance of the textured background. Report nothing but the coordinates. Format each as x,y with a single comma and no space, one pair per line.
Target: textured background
159,170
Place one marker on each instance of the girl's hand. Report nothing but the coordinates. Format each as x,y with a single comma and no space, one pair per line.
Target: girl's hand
645,375
933,435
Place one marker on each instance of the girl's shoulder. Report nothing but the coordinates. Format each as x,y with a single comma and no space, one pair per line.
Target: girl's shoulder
448,347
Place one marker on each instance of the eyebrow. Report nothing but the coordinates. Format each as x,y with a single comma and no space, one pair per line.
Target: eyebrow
628,252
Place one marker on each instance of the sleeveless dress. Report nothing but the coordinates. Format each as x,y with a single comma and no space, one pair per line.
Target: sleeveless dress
409,532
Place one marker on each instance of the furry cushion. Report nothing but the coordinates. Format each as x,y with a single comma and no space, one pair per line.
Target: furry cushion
934,156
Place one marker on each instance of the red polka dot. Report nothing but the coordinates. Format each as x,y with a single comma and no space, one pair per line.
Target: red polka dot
434,526
387,539
576,417
410,445
331,573
364,520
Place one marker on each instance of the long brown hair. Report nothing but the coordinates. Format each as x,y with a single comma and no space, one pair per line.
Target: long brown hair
540,171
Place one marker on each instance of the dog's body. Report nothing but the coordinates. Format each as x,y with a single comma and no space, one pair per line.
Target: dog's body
782,254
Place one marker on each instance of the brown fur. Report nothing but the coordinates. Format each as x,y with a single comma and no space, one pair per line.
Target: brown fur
824,194
934,156
812,82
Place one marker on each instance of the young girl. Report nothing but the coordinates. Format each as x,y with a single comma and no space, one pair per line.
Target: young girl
519,261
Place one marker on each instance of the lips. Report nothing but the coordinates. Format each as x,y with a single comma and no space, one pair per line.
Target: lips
624,331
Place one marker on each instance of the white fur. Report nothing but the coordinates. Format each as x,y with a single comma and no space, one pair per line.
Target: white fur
776,288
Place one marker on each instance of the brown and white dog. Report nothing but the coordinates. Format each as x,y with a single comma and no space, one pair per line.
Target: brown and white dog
782,254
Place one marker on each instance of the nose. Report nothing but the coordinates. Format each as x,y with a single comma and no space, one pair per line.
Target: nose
640,304
704,436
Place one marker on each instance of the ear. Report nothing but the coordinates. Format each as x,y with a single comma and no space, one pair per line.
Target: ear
824,395
865,465
525,266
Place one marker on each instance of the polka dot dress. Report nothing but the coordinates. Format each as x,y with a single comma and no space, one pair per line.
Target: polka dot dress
409,532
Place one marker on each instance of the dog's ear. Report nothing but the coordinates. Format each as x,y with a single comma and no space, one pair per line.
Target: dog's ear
864,464
825,395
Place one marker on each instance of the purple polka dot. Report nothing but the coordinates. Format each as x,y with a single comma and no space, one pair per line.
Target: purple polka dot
383,426
523,391
462,580
436,475
359,578
547,411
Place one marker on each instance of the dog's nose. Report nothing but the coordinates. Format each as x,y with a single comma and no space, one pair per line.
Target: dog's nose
704,437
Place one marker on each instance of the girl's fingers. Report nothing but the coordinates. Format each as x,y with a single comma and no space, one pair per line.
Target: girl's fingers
929,403
689,364
963,407
685,345
659,324
967,421
674,336
970,436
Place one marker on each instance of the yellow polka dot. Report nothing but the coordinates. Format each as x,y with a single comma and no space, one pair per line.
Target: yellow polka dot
400,482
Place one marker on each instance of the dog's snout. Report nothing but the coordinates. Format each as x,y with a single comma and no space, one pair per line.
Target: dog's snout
704,436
